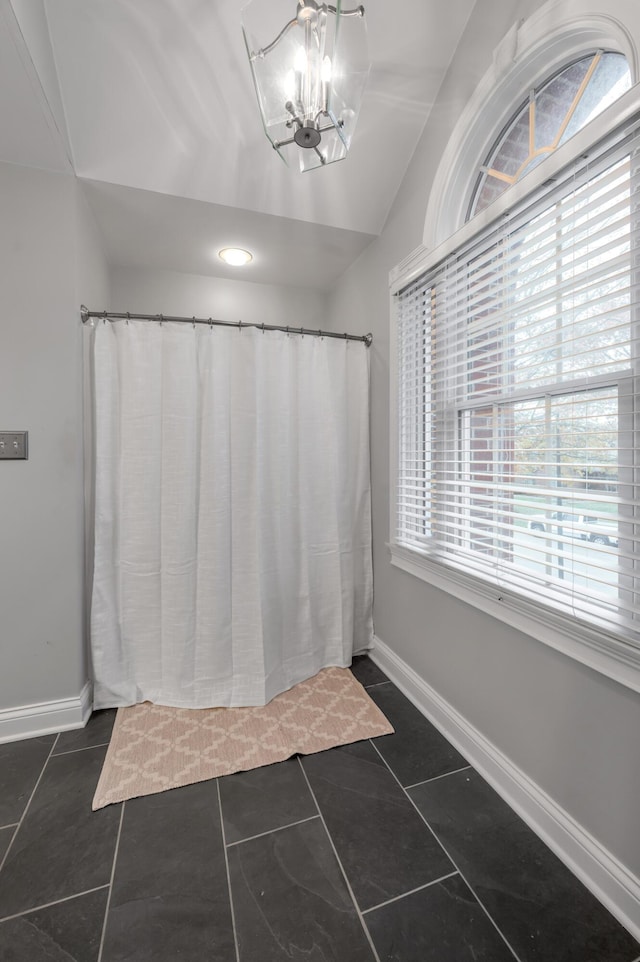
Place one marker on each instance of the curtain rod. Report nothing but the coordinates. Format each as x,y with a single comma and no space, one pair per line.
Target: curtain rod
87,315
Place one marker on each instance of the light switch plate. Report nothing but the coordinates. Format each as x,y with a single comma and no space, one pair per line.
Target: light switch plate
13,445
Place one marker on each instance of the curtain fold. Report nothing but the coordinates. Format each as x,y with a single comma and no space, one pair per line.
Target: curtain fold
232,517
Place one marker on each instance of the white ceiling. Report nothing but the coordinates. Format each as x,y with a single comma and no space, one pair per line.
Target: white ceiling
152,103
29,134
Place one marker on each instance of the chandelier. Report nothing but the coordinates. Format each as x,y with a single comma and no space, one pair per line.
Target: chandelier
309,77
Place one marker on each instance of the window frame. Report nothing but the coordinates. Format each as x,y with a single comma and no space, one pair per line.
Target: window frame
591,646
529,106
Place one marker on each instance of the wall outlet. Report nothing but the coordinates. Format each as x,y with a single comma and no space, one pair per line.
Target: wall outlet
13,445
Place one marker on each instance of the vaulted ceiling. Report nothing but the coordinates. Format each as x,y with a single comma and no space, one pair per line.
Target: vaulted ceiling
151,104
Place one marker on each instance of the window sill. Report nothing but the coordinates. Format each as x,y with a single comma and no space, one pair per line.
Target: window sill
603,653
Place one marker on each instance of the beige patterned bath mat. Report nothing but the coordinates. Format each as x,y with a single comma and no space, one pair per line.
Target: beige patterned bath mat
154,748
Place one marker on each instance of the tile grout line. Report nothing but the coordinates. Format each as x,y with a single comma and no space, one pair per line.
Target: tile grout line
344,874
435,778
462,876
280,828
47,905
84,748
28,805
404,895
11,825
226,862
113,872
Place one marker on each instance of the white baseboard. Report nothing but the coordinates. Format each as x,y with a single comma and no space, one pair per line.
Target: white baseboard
603,874
29,721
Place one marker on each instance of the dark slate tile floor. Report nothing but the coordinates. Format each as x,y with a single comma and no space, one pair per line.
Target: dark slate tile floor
390,850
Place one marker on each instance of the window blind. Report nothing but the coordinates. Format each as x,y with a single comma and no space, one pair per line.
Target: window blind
517,374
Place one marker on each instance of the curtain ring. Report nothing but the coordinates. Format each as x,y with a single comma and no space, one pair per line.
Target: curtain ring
194,321
240,326
161,319
128,318
210,323
287,330
263,327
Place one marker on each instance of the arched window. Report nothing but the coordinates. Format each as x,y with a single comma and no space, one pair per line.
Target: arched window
555,110
516,402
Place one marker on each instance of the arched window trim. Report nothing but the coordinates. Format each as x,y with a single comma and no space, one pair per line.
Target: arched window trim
529,104
529,52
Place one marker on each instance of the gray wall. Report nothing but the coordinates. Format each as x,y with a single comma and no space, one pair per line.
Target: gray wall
574,732
170,292
49,256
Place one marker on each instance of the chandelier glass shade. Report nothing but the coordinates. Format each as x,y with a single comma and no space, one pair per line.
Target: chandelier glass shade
309,64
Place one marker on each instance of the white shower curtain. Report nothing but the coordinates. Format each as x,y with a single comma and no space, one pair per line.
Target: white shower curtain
232,512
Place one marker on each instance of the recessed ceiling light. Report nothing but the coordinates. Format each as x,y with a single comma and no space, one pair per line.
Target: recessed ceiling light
235,256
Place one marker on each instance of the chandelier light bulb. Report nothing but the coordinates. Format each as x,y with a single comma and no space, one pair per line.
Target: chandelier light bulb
325,78
300,60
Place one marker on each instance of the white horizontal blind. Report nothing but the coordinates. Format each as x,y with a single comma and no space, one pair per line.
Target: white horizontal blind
518,399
